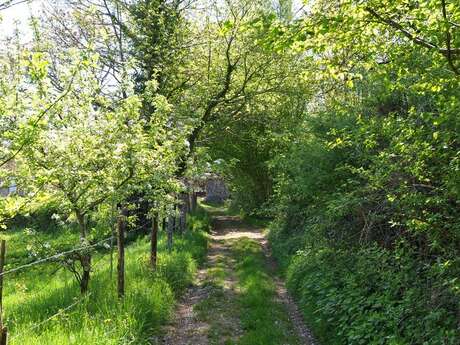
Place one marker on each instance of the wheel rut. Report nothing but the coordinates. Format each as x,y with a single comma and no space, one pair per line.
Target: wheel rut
207,314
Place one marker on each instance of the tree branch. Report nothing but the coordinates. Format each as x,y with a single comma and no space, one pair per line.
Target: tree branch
212,104
416,39
104,197
448,39
10,3
37,120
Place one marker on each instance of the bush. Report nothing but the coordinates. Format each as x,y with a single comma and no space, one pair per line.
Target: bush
374,297
366,221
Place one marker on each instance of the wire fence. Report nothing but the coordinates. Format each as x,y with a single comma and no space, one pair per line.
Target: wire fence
63,254
51,258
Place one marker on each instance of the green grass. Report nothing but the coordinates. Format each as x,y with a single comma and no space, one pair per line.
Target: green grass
101,318
264,320
215,208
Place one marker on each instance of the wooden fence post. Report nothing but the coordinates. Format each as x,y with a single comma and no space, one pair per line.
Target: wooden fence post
3,330
170,227
175,223
121,224
183,209
113,222
154,242
194,200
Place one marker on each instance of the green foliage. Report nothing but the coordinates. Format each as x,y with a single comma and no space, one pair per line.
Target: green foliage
372,296
155,33
365,201
366,198
341,124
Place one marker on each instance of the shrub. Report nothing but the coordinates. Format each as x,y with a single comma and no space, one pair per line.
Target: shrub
374,297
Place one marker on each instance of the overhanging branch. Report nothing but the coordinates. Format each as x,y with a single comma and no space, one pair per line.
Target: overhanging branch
449,53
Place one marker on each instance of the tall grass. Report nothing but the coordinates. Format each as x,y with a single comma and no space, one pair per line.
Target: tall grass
33,297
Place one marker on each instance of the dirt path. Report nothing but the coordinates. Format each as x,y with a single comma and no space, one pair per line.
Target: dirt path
207,313
295,316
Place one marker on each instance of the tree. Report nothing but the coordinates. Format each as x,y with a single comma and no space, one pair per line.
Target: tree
84,155
10,3
27,98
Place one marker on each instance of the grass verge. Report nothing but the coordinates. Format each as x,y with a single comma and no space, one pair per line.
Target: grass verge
34,296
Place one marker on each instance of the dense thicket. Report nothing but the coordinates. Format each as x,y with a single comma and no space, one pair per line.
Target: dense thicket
365,197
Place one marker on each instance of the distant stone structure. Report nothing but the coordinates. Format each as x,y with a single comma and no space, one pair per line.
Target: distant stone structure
216,190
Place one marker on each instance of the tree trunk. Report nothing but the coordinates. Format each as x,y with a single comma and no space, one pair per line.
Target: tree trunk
154,242
194,201
85,259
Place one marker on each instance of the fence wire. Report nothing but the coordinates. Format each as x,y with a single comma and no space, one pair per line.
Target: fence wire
55,256
60,312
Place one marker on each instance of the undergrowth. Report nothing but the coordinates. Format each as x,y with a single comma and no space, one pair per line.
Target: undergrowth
371,297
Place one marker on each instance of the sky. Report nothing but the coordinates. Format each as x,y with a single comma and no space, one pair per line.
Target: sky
17,16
